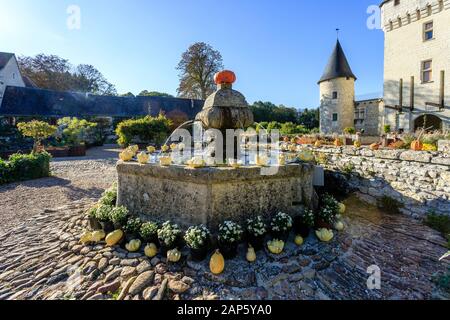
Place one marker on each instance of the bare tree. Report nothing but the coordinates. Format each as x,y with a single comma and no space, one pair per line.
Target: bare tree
197,68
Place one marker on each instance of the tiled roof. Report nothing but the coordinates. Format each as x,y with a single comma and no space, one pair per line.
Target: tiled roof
19,101
337,66
4,59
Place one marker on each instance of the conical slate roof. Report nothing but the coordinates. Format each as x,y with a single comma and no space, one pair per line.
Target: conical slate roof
338,66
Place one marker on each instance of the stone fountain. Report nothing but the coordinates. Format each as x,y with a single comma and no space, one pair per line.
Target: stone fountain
211,195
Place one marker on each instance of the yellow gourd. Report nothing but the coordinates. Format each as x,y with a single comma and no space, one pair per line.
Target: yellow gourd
217,263
165,148
151,149
251,254
339,226
133,245
165,161
357,144
126,155
299,240
342,208
173,147
275,246
86,237
98,235
325,235
143,158
134,149
173,255
318,144
114,238
151,250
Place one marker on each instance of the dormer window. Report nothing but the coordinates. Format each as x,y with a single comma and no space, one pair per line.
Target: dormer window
428,31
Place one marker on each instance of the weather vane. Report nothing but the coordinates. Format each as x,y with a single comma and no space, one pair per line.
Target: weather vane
337,32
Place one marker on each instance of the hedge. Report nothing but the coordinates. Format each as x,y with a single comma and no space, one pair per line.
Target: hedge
21,167
145,130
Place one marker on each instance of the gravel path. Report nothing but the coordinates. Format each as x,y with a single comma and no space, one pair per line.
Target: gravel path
72,179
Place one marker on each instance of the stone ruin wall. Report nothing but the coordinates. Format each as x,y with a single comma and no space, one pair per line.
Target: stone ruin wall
420,180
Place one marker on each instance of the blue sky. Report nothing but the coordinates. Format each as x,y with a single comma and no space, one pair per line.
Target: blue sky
278,48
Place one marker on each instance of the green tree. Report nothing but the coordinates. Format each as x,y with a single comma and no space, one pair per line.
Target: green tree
146,93
38,130
197,68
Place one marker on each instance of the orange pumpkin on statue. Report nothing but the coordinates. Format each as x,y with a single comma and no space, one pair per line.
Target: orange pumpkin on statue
225,76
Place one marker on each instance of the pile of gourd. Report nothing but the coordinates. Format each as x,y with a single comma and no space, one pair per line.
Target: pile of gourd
217,261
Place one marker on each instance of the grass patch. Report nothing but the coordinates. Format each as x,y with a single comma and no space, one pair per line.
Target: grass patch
390,205
439,223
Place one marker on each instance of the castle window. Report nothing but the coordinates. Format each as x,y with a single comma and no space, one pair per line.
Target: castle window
396,2
429,10
335,117
408,18
428,31
427,71
441,5
418,14
399,21
391,25
335,95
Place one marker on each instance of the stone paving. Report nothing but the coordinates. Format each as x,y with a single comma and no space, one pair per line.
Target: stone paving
41,259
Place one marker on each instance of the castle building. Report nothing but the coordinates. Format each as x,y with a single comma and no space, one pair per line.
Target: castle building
338,108
416,64
416,75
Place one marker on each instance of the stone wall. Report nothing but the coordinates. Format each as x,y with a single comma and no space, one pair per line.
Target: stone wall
419,180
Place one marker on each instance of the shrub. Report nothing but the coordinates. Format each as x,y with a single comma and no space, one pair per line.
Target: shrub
133,226
390,205
21,167
197,237
75,132
149,230
103,213
387,128
169,234
148,130
119,216
256,226
230,233
282,222
350,130
38,130
109,197
329,209
308,218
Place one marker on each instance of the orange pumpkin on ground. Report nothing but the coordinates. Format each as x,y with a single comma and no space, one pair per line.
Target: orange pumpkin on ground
374,146
225,76
416,145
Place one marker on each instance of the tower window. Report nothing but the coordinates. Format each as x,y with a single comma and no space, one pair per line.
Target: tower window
427,72
418,14
335,117
429,10
408,18
396,2
428,31
335,95
399,21
391,25
441,5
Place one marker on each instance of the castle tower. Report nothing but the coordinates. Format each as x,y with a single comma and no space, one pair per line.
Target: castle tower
337,94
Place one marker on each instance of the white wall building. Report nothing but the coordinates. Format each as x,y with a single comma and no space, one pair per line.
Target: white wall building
9,73
417,63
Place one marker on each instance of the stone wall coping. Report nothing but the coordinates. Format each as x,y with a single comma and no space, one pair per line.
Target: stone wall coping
211,175
432,157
